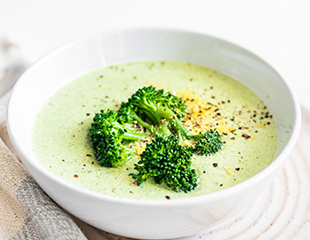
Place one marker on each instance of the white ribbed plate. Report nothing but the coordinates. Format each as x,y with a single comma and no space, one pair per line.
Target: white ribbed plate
282,211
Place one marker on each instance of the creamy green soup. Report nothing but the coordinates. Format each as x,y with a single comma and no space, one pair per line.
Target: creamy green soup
61,144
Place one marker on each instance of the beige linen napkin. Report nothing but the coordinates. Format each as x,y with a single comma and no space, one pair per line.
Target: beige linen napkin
26,212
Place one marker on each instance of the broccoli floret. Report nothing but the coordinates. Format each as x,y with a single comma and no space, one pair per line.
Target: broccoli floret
167,161
164,110
209,143
108,134
146,100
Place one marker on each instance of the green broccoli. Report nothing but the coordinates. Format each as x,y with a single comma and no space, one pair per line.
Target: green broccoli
167,161
166,111
208,143
108,136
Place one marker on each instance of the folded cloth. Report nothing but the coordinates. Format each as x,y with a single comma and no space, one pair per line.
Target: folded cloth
26,212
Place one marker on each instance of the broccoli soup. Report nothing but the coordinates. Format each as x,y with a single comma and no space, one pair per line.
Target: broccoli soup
212,101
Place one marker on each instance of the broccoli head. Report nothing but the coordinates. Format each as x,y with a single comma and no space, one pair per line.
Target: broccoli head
166,161
163,110
207,143
108,136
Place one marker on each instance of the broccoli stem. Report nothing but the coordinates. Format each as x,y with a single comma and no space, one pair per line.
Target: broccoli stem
174,122
163,130
128,134
144,124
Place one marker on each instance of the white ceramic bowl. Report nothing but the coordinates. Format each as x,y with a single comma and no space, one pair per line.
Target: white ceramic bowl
149,218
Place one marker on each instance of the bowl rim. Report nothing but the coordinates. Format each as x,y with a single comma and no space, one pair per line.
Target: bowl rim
159,202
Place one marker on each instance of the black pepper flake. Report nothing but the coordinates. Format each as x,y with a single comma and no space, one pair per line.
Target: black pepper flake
168,197
63,160
87,114
221,185
237,169
88,155
204,171
245,136
215,164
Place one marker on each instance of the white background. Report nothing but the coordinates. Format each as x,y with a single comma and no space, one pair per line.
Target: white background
277,30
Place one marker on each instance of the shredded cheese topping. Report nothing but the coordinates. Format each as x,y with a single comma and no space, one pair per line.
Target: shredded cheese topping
200,115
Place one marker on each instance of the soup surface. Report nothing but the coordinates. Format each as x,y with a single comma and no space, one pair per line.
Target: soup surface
61,144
